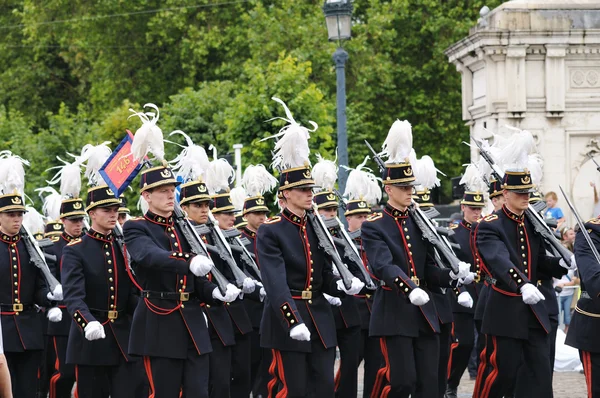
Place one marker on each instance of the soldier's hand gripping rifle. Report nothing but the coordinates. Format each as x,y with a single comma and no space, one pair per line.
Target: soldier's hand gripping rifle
428,230
236,244
37,258
532,215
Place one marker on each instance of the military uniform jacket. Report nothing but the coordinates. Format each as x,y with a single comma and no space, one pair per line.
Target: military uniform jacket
291,262
60,328
254,307
462,237
515,255
364,300
164,327
585,323
21,283
400,258
95,282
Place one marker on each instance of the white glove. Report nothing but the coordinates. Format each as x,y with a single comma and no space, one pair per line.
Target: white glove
356,287
418,297
300,332
335,301
262,294
463,271
468,279
56,294
201,265
54,314
231,294
531,294
465,300
572,266
94,331
248,286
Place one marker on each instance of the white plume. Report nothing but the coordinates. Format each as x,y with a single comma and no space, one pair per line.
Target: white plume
535,165
220,174
33,220
495,150
324,173
292,148
52,202
472,179
96,156
362,184
398,143
515,155
425,172
12,173
149,137
192,163
257,180
69,176
142,205
238,196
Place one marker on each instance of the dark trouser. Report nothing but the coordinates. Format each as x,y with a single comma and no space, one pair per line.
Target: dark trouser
23,368
463,342
412,365
300,372
346,379
220,370
61,382
240,366
370,353
47,364
591,368
260,360
474,358
445,338
503,356
168,377
124,380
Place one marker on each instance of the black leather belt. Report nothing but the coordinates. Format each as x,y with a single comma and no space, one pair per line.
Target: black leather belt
420,283
183,296
490,280
110,314
304,294
585,295
15,307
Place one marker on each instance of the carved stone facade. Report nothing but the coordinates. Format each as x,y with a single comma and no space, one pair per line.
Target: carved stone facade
535,64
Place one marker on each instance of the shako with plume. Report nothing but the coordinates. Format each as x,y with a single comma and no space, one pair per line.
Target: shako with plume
219,177
325,174
191,166
99,194
362,190
238,197
12,182
256,182
51,210
426,176
475,187
516,159
69,178
397,148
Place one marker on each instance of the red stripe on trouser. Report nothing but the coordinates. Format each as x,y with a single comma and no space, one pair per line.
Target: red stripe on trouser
587,369
452,348
338,376
273,381
494,373
381,373
148,368
280,371
480,371
54,379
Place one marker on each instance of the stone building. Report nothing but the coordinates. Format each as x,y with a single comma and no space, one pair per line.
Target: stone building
535,64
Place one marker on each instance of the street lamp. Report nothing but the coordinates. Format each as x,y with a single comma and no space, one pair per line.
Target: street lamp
338,17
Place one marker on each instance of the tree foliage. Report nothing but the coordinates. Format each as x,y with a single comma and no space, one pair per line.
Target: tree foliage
70,71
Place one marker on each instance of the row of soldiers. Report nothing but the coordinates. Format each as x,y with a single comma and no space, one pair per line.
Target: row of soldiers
209,305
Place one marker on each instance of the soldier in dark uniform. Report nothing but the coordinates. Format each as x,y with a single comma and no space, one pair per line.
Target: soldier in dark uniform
168,328
100,298
123,210
403,316
54,230
194,199
463,330
22,286
515,321
585,323
72,211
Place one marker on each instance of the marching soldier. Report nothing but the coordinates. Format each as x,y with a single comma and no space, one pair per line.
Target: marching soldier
403,316
100,298
297,323
515,321
463,333
123,210
54,230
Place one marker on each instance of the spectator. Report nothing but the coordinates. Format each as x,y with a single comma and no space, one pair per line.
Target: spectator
565,295
552,211
596,201
5,385
567,237
455,218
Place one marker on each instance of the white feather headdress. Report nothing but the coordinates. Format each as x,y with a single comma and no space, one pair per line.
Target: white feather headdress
425,172
535,165
472,179
515,156
292,148
33,221
324,173
12,173
149,137
192,162
238,196
69,175
398,143
219,176
51,207
257,180
96,156
363,185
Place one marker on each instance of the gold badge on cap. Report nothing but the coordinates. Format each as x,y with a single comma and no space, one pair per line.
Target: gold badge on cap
77,205
408,172
16,200
260,201
165,173
526,180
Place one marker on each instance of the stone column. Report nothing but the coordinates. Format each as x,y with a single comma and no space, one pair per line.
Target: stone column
555,79
515,79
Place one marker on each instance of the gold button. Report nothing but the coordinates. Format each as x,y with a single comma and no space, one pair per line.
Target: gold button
175,244
14,266
522,247
519,281
13,250
522,240
292,322
181,281
17,300
207,306
112,306
16,292
521,232
309,287
407,237
16,283
112,288
523,255
16,275
285,307
312,270
228,303
409,245
110,270
312,262
110,261
112,297
107,253
410,253
106,246
182,306
110,279
406,289
183,286
524,262
406,229
172,235
288,314
180,290
14,259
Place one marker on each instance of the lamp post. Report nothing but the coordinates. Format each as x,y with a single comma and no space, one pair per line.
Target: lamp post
338,17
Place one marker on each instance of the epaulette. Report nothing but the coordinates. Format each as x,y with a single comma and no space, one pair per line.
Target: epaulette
453,226
273,220
491,217
595,221
375,216
139,218
74,242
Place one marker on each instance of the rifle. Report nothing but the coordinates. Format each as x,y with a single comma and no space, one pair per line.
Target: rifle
594,160
350,250
584,231
428,230
239,247
37,257
539,225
